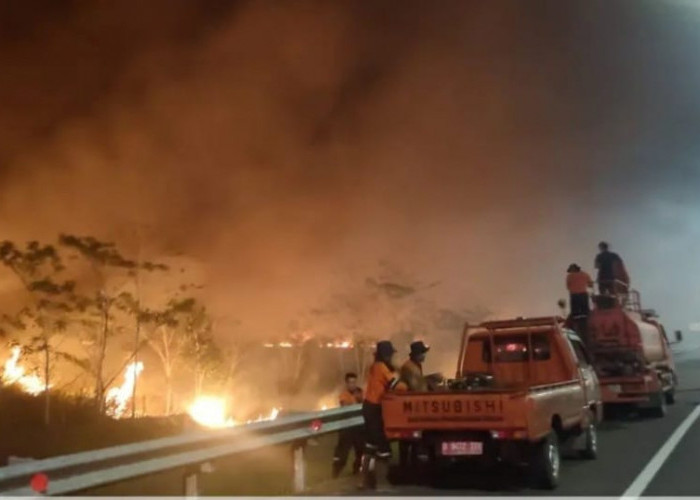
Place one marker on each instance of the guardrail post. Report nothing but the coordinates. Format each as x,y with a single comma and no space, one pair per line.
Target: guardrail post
192,482
299,466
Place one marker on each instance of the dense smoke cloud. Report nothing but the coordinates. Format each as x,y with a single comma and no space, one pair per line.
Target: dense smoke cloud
291,146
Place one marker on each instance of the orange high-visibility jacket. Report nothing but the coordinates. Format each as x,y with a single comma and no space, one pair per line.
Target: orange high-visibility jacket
578,282
350,398
380,380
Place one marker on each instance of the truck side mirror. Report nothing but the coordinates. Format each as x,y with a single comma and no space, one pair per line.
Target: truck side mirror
679,336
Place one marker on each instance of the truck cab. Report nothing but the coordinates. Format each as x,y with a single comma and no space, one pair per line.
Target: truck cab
523,392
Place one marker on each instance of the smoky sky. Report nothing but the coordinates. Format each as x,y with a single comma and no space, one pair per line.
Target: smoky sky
289,146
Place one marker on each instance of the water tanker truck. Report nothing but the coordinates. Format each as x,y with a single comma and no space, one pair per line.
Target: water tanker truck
631,353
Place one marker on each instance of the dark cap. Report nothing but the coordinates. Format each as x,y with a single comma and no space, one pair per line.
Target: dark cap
385,348
419,347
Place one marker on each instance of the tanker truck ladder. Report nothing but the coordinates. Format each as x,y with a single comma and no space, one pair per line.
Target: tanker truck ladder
633,301
617,293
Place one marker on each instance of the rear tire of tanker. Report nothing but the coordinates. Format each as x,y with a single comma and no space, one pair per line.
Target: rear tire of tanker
658,411
670,396
545,462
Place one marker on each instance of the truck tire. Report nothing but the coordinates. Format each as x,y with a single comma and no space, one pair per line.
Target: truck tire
545,462
590,435
670,396
659,410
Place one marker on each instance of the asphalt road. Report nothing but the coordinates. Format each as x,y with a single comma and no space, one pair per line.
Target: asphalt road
636,456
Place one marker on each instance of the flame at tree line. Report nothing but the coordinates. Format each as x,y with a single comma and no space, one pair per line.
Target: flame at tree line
208,411
214,412
117,398
14,374
336,344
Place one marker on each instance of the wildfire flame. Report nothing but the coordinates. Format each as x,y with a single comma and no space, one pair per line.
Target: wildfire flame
340,344
117,398
327,402
212,411
263,418
336,344
14,374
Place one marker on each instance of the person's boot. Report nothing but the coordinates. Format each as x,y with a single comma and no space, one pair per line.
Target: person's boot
382,476
337,467
404,462
422,466
368,473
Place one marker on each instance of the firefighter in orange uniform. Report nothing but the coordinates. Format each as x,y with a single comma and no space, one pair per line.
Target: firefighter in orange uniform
577,283
382,378
349,438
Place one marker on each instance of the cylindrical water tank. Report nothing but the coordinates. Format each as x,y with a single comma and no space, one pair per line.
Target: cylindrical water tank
651,337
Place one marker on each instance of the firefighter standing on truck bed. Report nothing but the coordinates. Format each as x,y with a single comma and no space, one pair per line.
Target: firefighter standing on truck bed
411,374
577,283
381,378
412,370
349,438
611,269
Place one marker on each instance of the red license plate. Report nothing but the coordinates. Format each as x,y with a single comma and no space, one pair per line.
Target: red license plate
462,448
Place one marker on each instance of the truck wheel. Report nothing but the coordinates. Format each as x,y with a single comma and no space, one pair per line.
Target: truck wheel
670,396
590,451
545,462
659,411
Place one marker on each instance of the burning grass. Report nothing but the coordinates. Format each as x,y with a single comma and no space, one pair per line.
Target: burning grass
213,412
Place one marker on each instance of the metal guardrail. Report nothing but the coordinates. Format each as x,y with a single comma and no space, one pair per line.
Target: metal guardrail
193,451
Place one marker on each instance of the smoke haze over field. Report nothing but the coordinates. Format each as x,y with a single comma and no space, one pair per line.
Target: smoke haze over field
291,146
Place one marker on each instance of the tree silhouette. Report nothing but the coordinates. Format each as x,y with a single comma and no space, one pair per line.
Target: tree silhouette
98,309
200,349
166,334
38,267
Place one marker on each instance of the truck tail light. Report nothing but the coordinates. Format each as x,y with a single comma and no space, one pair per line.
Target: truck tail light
408,434
509,434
